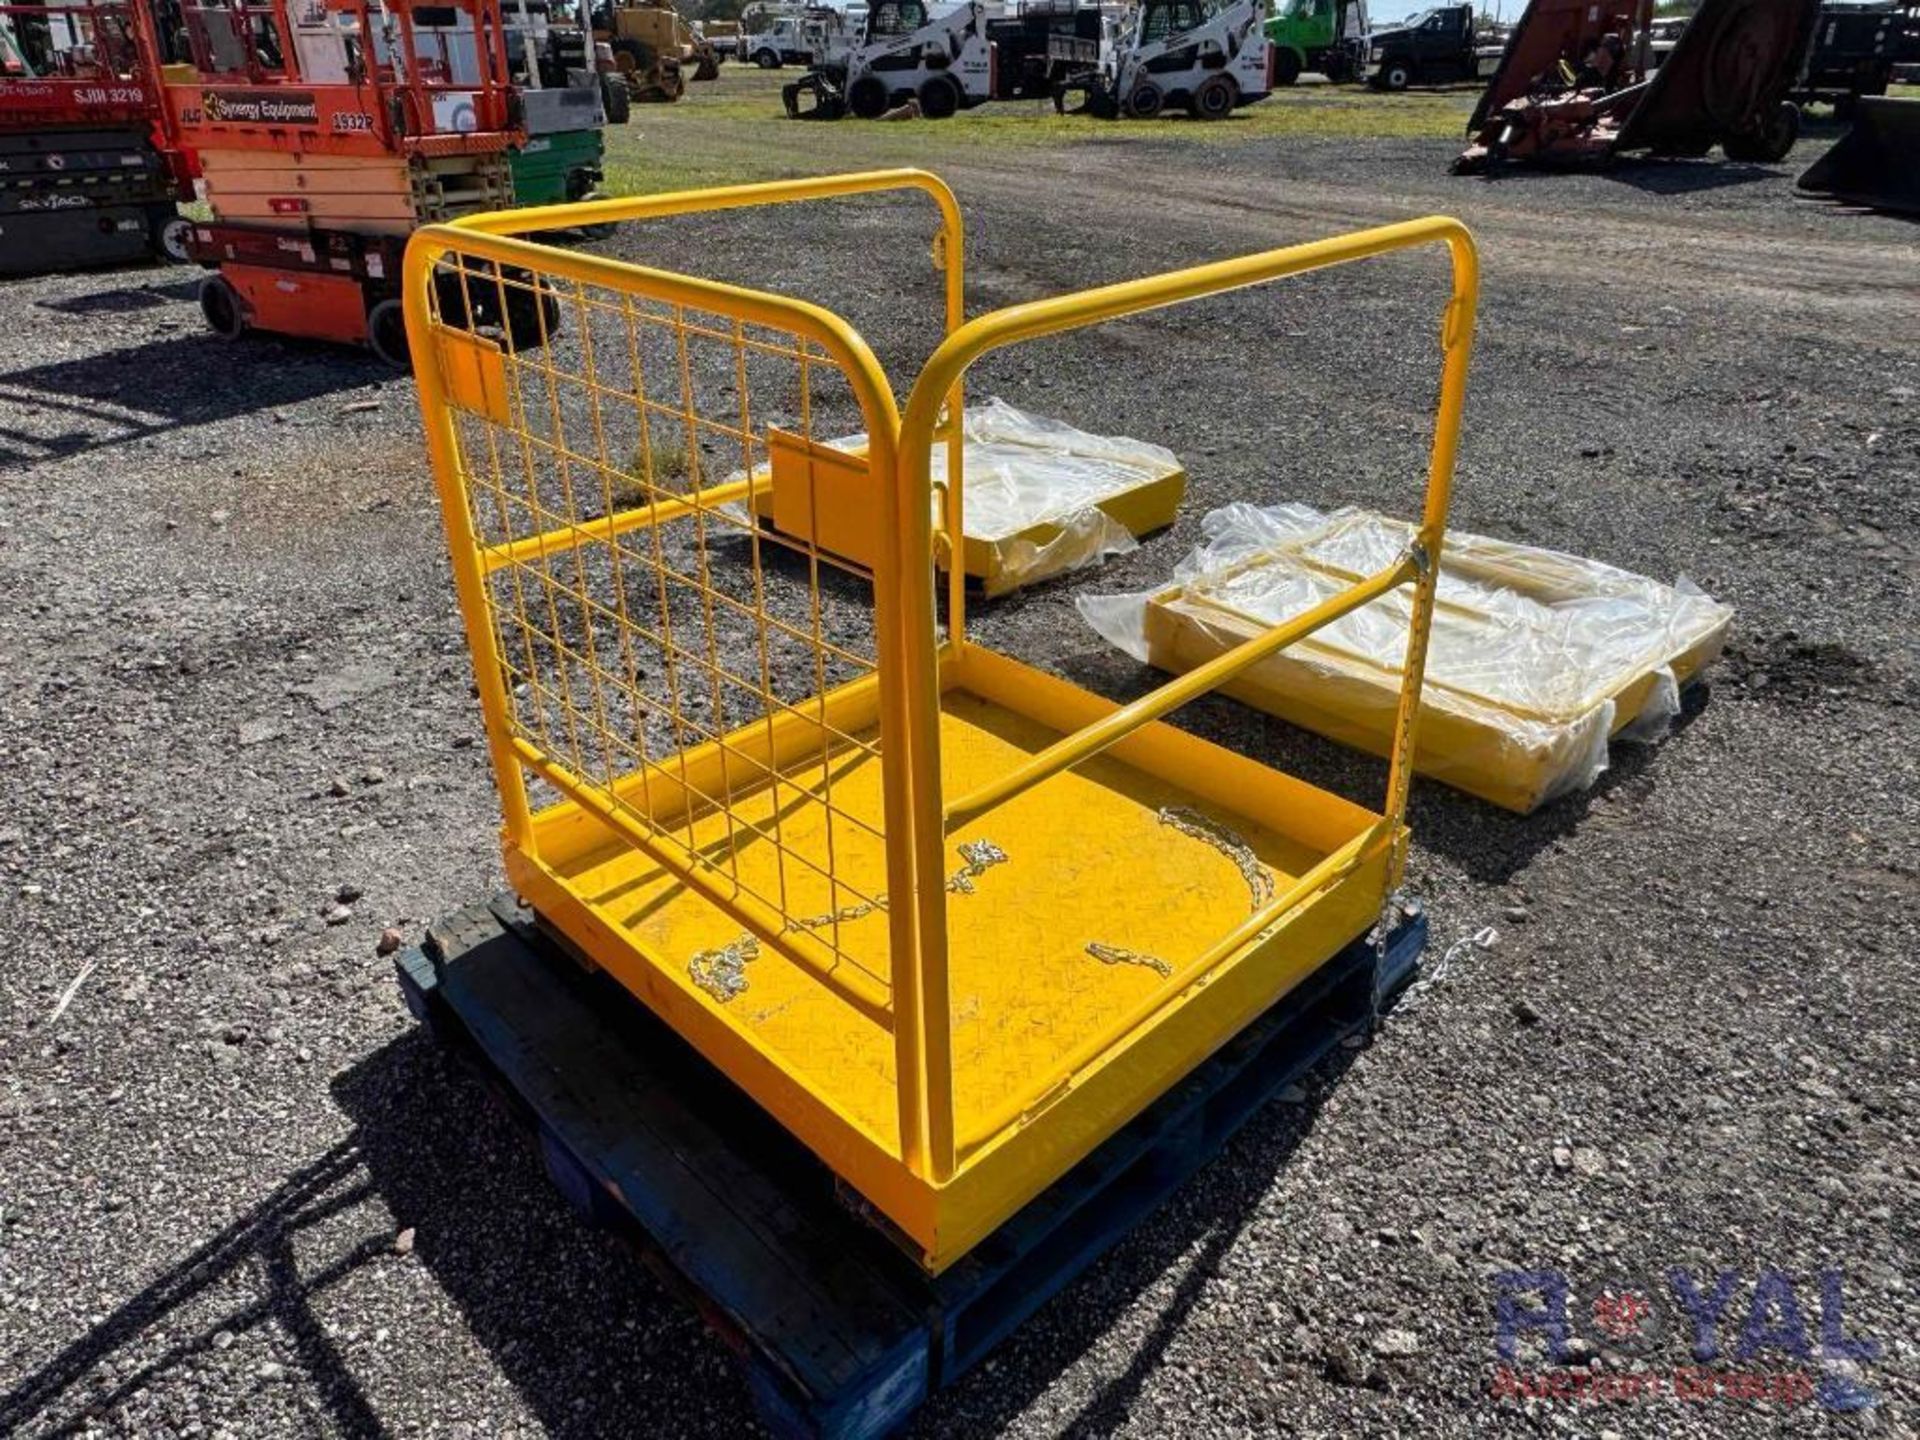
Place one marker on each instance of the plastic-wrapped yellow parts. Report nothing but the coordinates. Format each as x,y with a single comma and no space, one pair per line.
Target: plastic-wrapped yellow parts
1537,657
1040,497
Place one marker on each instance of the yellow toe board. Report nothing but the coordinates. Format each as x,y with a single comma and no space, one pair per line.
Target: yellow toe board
1088,861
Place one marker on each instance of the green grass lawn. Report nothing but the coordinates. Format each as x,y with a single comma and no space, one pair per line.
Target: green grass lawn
735,129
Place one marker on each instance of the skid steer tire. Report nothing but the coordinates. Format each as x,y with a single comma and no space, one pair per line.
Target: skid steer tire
455,305
1772,143
532,317
867,97
1214,99
1146,101
387,334
1286,68
940,97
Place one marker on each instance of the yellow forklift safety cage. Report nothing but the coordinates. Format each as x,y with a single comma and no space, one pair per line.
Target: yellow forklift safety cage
951,920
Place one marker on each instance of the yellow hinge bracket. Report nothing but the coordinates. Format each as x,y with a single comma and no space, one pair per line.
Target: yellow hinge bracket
474,372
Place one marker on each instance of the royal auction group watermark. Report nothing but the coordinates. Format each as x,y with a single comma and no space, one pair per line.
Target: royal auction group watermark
1765,1338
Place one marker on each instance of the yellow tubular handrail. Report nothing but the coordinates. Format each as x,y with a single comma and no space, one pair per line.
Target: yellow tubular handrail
614,524
908,653
940,377
1083,744
577,213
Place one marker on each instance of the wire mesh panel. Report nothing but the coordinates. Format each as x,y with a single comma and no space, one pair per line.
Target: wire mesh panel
707,683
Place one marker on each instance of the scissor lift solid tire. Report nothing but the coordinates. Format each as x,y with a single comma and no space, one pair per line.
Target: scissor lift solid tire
221,307
387,333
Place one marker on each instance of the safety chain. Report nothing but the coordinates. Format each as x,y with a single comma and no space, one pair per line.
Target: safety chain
1118,955
1412,997
981,856
721,972
1207,831
1211,832
843,914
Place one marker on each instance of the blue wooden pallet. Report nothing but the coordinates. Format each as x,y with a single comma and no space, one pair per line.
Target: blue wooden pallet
842,1334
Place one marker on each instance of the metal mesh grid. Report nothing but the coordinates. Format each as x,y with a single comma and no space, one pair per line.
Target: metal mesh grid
661,650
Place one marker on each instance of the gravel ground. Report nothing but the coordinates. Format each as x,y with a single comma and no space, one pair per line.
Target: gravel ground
240,1195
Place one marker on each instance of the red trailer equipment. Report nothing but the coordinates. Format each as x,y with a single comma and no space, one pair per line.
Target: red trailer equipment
88,173
1573,87
325,134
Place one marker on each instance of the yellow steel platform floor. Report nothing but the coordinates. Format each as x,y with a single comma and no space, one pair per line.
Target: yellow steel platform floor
1088,860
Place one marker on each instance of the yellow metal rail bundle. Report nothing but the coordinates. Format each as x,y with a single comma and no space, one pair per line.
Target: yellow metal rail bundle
952,920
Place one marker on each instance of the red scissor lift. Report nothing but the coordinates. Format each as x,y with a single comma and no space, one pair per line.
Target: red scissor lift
325,135
88,173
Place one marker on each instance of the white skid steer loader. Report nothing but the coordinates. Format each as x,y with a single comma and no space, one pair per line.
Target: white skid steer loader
942,64
1211,58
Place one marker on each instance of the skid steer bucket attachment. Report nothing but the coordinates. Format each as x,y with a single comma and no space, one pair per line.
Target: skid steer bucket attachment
1877,162
814,96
